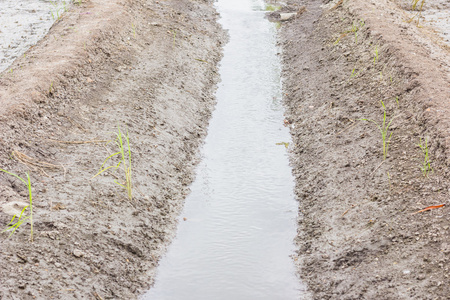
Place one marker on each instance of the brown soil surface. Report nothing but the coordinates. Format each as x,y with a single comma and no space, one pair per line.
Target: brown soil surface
358,237
149,66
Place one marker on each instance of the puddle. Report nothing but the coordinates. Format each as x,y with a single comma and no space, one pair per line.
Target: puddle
240,222
23,23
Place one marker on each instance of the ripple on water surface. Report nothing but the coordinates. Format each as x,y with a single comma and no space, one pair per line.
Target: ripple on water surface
241,213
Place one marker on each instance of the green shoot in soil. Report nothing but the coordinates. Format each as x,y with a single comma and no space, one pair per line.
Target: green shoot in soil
355,28
353,73
414,4
426,165
284,144
383,130
174,37
134,29
272,7
12,226
125,161
375,58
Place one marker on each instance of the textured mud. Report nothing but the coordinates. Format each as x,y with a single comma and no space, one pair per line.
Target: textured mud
358,237
148,66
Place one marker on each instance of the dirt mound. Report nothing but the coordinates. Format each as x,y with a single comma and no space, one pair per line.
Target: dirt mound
147,66
358,237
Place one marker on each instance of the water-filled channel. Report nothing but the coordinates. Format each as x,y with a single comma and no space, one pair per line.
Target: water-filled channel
241,214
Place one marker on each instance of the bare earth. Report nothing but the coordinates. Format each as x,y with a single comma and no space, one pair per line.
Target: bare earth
358,237
151,67
148,66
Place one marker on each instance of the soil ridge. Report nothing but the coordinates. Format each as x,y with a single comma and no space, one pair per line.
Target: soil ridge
149,67
358,237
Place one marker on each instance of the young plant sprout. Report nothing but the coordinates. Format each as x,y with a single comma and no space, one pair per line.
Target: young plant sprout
13,226
384,130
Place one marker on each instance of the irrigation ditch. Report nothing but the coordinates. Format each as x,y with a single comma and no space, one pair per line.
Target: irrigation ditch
371,225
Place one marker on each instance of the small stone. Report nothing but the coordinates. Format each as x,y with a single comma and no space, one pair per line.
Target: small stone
78,253
406,272
287,16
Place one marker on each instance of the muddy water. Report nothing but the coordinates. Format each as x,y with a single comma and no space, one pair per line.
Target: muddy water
240,223
23,23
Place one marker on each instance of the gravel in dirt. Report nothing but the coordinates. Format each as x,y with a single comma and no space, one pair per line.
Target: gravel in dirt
358,236
149,67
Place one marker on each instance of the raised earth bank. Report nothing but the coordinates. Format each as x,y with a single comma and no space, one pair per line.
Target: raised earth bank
146,66
358,236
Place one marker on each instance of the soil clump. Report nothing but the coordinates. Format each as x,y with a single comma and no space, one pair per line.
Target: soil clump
149,67
358,237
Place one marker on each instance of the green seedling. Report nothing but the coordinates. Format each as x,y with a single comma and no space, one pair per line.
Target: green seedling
174,36
426,165
375,58
354,74
355,31
121,141
134,29
272,7
284,144
356,26
396,100
57,13
414,6
384,130
13,226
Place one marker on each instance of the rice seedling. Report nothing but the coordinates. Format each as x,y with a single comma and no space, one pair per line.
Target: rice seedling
426,165
414,6
50,90
124,155
354,73
384,130
134,30
13,226
356,26
272,7
375,58
57,10
286,145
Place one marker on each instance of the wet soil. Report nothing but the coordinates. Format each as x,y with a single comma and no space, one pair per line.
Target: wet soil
24,23
358,236
149,67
